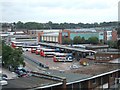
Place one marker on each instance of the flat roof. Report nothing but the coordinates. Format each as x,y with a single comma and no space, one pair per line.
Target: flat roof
82,30
70,77
21,36
66,47
115,61
51,34
112,53
95,69
57,53
96,46
86,72
30,82
46,30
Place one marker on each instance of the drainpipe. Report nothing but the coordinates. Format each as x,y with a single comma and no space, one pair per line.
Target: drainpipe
64,84
115,83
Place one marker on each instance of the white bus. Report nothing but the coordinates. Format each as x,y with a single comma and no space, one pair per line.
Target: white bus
15,44
31,48
47,52
62,57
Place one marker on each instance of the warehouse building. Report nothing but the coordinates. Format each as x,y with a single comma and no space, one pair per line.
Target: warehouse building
50,37
57,36
86,33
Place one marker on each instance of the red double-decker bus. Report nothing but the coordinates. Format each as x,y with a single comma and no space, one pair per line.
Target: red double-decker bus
47,52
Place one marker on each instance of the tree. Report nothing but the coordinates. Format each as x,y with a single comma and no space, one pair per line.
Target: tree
77,40
93,40
82,40
66,41
101,41
11,57
4,25
20,25
112,44
118,31
33,25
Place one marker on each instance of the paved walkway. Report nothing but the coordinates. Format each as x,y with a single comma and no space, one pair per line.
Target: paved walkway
11,75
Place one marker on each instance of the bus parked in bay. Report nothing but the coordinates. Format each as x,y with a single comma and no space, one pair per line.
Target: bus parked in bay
30,48
15,44
62,57
37,52
47,52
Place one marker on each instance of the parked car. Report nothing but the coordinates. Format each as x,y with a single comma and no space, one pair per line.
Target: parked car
21,72
74,67
4,77
3,82
43,66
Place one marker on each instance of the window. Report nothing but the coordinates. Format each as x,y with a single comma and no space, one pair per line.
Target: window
94,81
101,34
32,32
111,75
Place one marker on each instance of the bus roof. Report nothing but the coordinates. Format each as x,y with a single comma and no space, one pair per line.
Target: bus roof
31,46
46,49
57,53
16,42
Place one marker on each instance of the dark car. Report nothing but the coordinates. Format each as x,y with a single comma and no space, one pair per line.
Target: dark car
4,77
21,72
43,66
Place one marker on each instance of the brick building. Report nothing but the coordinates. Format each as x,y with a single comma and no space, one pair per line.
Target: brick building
57,36
93,77
114,35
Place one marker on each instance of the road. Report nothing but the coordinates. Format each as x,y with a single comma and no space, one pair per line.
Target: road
30,66
47,61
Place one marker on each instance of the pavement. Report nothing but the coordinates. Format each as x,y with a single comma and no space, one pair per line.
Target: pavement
11,75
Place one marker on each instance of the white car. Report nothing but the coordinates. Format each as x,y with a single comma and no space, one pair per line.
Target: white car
3,82
74,67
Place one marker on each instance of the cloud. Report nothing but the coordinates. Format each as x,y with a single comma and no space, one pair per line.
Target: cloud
59,10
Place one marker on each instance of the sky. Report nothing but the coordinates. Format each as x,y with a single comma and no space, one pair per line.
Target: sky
59,11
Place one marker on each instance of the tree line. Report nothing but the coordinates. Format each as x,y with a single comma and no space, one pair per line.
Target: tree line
51,25
91,40
81,40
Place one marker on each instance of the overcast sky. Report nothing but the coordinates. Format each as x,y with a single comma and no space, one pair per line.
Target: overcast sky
59,11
